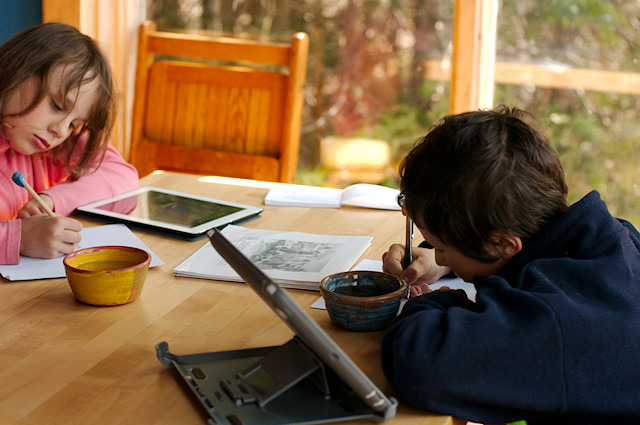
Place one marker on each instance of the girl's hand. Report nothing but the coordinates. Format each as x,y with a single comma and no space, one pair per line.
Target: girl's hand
49,237
422,271
32,207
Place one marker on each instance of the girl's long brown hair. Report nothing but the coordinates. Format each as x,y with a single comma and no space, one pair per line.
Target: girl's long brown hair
35,52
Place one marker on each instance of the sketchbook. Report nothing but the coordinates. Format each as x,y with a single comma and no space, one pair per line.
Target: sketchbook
357,195
292,259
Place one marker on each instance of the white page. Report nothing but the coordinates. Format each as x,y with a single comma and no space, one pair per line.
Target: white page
371,196
110,234
376,266
304,196
293,259
363,195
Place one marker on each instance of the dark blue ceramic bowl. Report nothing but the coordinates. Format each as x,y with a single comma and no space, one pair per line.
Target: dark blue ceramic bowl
362,300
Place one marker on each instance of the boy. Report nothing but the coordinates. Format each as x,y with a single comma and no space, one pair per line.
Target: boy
554,334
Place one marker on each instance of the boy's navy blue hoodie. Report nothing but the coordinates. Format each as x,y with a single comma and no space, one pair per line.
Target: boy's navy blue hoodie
553,338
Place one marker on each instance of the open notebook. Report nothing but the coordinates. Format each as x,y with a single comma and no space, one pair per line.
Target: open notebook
292,259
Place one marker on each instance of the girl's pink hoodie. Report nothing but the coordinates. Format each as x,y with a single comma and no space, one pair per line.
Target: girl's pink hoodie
114,176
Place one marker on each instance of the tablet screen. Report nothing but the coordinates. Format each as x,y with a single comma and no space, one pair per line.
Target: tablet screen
177,212
169,208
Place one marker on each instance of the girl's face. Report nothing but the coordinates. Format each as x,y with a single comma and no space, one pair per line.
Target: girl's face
53,120
464,267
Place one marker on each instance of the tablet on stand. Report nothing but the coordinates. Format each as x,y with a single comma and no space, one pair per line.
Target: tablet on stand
308,380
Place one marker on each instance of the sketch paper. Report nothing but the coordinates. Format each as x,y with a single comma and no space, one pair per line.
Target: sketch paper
109,234
357,195
292,259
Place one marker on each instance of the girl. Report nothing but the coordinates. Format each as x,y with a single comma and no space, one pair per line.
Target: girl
57,109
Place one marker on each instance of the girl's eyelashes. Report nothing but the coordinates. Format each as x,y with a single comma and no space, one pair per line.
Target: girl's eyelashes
57,102
55,105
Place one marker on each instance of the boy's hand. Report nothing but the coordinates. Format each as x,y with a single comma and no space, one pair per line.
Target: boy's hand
49,237
32,207
422,271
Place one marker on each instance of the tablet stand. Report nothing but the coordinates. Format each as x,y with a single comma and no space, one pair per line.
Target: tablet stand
285,384
286,365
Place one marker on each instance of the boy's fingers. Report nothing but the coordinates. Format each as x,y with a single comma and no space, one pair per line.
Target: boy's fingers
392,259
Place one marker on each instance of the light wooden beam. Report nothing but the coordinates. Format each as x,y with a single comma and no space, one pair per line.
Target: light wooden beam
548,76
474,35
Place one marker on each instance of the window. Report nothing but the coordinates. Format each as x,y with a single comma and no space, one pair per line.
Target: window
366,73
380,71
575,66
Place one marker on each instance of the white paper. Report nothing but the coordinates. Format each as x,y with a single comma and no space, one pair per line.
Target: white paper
376,266
358,195
292,259
304,196
371,196
109,234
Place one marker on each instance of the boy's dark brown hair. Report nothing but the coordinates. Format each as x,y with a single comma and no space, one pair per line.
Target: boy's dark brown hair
35,52
479,172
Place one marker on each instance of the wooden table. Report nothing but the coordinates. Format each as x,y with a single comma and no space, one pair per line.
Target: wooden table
64,362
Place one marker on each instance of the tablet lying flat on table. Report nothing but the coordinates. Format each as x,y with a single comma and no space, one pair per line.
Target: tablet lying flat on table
176,213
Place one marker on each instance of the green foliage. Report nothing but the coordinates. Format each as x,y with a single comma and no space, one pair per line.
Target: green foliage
403,125
596,134
315,177
594,34
599,147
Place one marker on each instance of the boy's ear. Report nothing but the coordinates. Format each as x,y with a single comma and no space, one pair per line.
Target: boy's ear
507,245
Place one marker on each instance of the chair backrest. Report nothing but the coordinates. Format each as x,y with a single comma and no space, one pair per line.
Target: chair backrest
218,105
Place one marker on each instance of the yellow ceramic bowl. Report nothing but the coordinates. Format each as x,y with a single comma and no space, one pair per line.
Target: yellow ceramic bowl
107,275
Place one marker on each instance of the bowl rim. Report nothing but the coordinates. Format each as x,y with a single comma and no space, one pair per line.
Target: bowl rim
79,252
394,294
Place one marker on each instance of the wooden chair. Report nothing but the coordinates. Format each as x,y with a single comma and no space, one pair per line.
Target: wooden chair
239,118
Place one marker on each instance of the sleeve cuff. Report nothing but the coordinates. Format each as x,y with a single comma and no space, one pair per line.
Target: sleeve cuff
10,253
